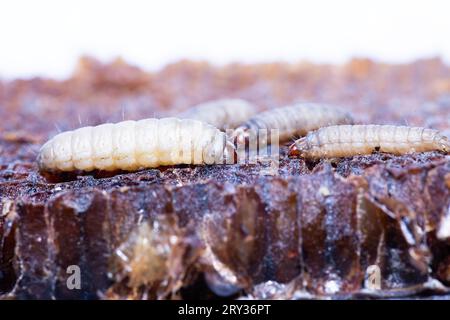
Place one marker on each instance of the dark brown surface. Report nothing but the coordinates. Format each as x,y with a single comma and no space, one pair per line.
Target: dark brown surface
310,230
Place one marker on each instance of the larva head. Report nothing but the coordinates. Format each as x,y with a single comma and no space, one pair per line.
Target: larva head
241,134
298,148
293,150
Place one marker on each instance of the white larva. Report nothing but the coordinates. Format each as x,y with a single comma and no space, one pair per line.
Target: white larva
223,113
350,140
131,145
297,119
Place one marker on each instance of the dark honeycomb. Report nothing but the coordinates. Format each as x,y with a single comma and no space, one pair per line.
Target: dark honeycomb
310,229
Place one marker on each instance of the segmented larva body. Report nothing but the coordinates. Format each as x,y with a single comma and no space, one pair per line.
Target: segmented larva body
223,114
131,145
297,119
350,140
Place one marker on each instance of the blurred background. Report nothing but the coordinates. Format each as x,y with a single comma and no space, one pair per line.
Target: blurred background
46,37
66,64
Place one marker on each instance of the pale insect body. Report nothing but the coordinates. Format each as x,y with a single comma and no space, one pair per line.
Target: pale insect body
350,140
223,113
294,120
131,145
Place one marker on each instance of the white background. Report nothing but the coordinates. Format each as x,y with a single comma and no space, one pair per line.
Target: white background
46,37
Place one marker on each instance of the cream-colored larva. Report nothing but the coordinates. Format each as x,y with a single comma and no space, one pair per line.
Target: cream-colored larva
131,145
297,119
350,140
223,113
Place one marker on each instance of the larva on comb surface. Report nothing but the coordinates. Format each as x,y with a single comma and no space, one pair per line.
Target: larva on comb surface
351,140
294,120
223,113
131,145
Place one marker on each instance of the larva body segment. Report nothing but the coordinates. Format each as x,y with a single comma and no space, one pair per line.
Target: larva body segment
297,119
131,145
350,140
223,114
